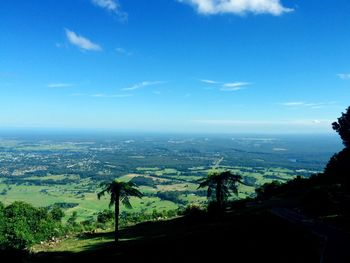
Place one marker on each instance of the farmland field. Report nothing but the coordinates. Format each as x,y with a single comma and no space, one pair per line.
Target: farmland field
68,169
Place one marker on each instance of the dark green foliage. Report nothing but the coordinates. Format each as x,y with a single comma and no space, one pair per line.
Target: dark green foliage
342,127
2,225
105,216
64,205
338,168
268,190
72,220
131,218
193,212
88,224
141,180
23,225
120,191
57,214
220,185
290,188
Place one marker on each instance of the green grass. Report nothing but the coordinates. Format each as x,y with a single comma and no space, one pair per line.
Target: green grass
84,191
88,204
75,244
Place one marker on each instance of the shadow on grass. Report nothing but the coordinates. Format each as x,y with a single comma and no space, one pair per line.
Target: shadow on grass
250,238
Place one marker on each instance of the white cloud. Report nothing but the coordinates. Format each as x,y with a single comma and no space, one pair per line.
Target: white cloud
344,76
238,7
231,86
301,104
293,103
123,51
234,86
142,85
111,6
59,85
301,122
81,41
208,81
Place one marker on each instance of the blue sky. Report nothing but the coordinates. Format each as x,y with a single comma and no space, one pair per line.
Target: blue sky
221,66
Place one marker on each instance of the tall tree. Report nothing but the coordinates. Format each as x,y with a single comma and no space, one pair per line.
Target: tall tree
342,126
119,192
222,184
338,167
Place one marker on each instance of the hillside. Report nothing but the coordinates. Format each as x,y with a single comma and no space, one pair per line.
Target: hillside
247,235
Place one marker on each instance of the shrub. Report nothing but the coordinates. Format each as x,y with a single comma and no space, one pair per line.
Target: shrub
105,216
193,210
56,213
23,225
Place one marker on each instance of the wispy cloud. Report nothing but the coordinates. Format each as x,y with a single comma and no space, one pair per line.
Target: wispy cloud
59,85
112,6
142,85
238,7
312,105
344,76
303,122
81,42
123,51
234,86
229,86
208,81
292,103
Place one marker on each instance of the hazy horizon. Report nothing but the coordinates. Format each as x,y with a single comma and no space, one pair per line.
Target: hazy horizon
98,132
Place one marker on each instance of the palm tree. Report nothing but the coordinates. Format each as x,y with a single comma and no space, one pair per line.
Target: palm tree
119,191
222,183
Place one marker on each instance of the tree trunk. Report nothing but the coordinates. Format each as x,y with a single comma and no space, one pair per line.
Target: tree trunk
116,220
219,195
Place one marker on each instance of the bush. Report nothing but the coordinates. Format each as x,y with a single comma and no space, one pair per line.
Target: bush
268,190
23,225
56,214
193,210
105,216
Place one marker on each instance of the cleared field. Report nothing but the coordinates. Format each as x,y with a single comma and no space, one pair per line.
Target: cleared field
81,194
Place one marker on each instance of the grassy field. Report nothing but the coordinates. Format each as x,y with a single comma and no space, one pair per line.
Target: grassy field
83,192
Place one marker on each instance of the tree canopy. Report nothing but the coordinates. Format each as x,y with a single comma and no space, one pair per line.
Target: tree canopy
220,185
342,127
338,167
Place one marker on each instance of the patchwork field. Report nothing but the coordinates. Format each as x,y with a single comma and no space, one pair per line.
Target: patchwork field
68,169
81,193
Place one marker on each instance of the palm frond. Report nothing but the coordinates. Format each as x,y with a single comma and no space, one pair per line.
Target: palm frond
203,184
126,202
234,190
112,200
120,191
100,194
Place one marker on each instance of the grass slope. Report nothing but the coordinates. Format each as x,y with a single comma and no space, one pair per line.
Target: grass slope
251,236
